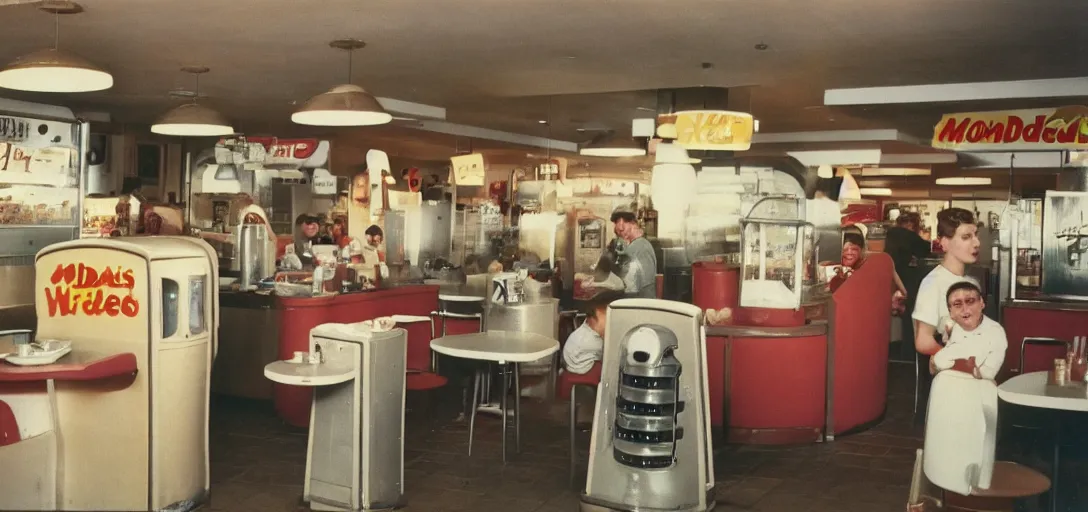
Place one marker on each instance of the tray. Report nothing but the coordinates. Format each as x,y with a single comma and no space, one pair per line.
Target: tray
38,359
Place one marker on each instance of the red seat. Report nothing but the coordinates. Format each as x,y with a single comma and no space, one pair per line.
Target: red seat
1038,354
568,379
423,381
9,429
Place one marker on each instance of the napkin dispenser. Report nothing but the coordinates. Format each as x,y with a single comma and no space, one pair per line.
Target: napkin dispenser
508,287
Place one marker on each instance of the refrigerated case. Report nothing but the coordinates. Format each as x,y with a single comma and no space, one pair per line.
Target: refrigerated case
42,162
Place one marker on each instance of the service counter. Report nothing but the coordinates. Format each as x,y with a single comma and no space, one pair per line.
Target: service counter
1061,320
261,329
807,383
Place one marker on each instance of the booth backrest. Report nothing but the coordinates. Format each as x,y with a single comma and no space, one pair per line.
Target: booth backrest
861,331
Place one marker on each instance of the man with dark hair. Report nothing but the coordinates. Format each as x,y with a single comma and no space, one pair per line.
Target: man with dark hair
639,269
907,250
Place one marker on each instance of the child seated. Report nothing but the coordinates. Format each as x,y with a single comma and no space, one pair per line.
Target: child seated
971,336
595,292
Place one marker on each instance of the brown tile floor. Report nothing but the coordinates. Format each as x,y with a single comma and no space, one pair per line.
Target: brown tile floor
258,464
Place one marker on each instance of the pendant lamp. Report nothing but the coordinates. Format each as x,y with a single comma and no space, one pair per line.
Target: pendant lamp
52,70
614,147
193,119
343,105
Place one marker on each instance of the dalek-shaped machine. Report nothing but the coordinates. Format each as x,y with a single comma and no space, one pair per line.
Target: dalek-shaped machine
651,446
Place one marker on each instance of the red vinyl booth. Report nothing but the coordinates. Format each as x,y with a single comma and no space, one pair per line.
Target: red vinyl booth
860,331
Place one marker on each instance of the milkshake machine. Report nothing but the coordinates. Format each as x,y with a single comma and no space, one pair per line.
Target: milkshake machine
651,448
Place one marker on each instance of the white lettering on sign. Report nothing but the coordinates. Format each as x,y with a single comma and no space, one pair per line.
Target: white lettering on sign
14,129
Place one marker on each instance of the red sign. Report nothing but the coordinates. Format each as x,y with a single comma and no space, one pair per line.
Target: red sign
1040,129
78,288
275,147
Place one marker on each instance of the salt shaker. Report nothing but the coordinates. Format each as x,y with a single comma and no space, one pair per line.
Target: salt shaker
1061,373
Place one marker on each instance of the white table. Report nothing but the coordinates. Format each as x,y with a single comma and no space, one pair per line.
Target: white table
506,348
1029,390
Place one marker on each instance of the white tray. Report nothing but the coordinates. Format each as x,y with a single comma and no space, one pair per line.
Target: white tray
38,359
307,374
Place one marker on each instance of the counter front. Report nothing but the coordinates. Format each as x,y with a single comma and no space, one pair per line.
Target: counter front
1039,319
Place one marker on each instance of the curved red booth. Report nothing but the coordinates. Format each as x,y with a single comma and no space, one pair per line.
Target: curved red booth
298,315
786,381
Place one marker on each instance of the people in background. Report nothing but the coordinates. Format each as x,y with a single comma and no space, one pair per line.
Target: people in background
639,270
372,253
307,234
853,257
976,344
957,235
585,346
907,248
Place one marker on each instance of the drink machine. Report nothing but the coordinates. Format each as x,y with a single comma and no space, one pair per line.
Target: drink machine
136,445
355,455
651,447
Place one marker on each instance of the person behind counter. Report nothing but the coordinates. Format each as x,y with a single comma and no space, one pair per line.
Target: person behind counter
371,250
957,234
307,234
907,249
853,257
639,271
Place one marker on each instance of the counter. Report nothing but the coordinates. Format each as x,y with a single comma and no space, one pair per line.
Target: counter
261,329
808,383
1038,318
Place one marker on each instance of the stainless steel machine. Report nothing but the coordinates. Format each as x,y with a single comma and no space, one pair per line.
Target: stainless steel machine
355,456
651,447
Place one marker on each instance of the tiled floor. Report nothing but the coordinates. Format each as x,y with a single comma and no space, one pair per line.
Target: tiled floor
258,464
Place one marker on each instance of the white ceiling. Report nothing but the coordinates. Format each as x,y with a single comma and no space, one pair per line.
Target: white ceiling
506,64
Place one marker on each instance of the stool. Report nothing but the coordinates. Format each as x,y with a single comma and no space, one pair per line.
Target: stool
1010,482
571,381
9,427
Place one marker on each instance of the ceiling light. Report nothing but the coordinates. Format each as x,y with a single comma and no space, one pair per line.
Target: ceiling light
193,119
825,171
894,171
876,191
964,181
543,121
614,147
343,105
52,70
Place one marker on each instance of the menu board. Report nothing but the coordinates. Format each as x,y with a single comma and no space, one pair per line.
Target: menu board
39,172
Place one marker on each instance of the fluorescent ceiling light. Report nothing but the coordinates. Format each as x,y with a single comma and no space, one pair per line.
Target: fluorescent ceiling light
894,171
876,191
946,93
963,181
825,171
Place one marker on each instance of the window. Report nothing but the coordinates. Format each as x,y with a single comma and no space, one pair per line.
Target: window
196,304
170,295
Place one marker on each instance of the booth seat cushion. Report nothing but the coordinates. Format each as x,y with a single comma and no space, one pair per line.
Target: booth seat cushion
9,429
422,381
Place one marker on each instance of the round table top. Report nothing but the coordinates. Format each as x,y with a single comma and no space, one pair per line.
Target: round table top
1029,390
499,346
306,374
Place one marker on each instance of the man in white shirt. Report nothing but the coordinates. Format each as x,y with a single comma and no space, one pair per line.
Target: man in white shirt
639,272
972,337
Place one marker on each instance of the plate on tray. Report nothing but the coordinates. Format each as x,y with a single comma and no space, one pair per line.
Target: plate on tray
39,359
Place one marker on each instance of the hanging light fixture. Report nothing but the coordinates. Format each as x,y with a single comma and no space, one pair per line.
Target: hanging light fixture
963,181
613,146
343,105
52,70
193,119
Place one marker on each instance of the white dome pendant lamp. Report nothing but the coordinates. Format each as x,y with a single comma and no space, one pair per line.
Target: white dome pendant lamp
343,105
51,70
193,119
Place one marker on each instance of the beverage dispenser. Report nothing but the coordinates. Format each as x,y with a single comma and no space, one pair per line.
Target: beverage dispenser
651,447
355,454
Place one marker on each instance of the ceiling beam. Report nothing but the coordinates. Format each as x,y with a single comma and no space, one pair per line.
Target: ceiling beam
417,110
943,93
475,132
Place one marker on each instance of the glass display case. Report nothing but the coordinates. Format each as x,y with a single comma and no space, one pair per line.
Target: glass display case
779,257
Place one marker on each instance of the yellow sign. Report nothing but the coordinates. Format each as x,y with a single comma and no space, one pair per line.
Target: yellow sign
1023,130
713,130
468,170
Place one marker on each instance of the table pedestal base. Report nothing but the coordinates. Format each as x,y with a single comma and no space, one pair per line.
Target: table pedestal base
480,385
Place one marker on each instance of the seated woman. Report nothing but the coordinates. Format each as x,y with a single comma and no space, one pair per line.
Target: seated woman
853,257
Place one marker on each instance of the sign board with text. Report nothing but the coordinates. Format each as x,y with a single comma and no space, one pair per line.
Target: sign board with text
710,130
1014,130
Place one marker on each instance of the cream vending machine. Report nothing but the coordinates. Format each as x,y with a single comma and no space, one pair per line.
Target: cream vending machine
145,446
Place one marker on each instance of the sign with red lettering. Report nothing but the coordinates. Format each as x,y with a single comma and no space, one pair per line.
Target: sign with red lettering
273,152
79,289
1020,130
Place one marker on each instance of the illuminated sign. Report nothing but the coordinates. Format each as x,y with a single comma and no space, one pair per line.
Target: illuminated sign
712,130
80,289
1038,129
